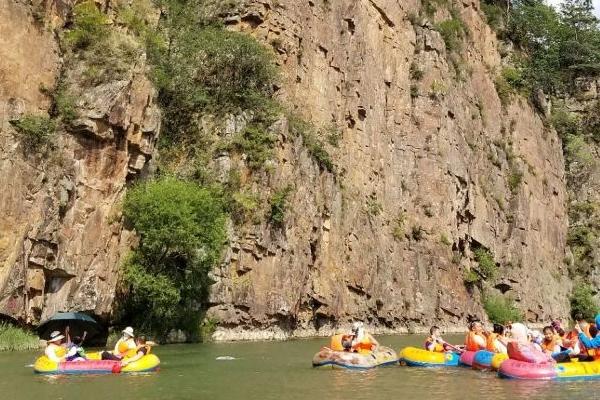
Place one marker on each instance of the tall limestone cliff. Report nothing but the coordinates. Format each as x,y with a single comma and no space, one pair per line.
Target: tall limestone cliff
431,165
61,242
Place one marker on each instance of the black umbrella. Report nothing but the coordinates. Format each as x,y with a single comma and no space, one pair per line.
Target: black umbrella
78,323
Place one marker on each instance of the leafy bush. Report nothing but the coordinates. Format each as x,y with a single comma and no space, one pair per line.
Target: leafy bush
278,204
494,15
583,302
470,277
514,180
182,232
244,206
257,144
501,310
13,338
503,89
452,31
313,144
487,265
35,130
211,70
90,26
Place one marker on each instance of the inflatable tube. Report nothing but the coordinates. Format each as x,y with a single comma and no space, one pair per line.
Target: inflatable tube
482,360
415,357
527,353
327,358
516,369
44,365
497,360
466,358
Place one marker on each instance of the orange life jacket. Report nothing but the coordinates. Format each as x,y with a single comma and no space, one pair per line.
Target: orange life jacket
365,345
550,345
438,348
490,343
471,343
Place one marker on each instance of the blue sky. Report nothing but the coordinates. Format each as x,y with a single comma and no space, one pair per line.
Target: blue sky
596,5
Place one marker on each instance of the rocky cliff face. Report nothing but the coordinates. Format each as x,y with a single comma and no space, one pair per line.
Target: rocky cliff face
61,238
430,166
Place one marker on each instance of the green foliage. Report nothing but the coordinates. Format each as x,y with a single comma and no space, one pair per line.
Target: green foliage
90,26
583,302
501,310
36,131
560,46
487,265
503,89
207,328
398,227
445,240
13,338
244,206
416,73
453,32
182,232
430,7
514,180
211,70
257,144
494,15
64,105
278,204
470,277
373,207
313,144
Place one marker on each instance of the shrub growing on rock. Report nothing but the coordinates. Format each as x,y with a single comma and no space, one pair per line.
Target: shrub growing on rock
500,309
182,231
35,130
582,301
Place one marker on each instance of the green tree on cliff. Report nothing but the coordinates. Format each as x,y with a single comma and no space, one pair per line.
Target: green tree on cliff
182,231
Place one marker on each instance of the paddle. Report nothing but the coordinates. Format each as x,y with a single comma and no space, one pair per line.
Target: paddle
458,350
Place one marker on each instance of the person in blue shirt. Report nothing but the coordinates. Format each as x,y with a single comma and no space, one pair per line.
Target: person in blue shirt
593,343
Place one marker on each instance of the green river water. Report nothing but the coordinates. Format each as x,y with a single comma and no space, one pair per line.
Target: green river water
274,370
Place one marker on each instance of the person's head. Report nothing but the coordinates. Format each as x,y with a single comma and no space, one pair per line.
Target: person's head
77,340
357,328
579,318
557,327
128,333
593,331
498,329
548,332
434,331
141,340
55,338
476,326
519,332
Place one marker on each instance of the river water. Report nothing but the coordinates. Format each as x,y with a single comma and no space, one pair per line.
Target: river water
274,370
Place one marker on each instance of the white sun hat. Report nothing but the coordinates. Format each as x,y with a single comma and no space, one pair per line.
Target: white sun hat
128,331
55,336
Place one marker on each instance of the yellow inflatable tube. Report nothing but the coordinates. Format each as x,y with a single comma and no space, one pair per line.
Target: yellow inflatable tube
578,370
416,357
43,365
497,360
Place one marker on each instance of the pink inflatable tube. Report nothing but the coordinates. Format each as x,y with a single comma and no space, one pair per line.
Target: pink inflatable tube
89,366
466,358
515,369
